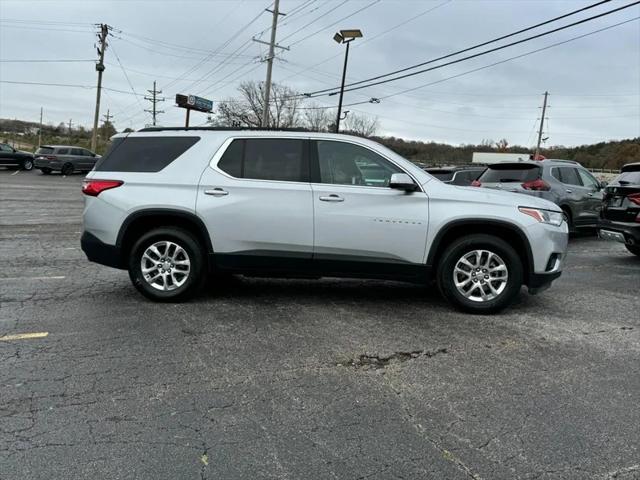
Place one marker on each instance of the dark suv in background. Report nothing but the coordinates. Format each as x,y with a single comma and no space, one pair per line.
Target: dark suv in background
460,175
564,182
64,158
621,209
12,158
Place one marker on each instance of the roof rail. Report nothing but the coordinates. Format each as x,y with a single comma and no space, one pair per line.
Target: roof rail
572,162
223,129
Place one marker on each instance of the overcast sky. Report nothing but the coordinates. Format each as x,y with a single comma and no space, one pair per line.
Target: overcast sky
594,82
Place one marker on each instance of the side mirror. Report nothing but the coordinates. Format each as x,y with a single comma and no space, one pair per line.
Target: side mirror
402,181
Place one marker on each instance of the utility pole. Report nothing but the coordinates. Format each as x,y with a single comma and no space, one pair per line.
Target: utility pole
107,117
40,130
272,46
544,111
70,122
102,37
154,99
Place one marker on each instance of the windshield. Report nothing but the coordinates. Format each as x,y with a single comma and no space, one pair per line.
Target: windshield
443,175
510,173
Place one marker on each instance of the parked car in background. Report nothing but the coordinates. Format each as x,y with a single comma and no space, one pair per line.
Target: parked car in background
458,175
64,158
174,205
620,219
12,158
567,184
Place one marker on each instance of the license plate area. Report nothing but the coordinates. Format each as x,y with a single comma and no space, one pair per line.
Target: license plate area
613,236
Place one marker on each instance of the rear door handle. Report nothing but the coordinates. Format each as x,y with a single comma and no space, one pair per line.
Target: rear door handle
590,194
332,198
569,191
216,192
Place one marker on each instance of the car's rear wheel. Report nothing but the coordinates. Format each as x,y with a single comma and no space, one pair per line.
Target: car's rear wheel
167,265
27,164
635,249
45,171
67,169
480,274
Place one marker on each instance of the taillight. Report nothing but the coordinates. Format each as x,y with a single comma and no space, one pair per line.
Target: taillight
476,183
537,185
634,198
93,188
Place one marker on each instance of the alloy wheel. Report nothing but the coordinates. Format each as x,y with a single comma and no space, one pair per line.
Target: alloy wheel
480,275
165,265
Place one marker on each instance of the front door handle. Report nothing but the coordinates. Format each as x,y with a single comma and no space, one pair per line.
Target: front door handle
216,192
332,198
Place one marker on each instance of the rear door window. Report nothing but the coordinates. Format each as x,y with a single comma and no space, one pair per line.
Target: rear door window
63,151
569,176
279,159
143,154
510,173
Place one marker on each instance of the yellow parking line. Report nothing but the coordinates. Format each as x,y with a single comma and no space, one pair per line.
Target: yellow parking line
23,336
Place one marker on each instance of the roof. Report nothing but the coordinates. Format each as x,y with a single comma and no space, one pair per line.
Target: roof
455,167
62,146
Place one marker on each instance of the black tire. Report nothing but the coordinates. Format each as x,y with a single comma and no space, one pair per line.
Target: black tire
635,249
27,164
569,219
45,171
196,256
465,245
67,169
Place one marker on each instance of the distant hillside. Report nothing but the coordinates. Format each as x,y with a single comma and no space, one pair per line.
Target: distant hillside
609,155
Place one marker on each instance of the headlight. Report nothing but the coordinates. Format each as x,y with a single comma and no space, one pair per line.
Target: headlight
544,216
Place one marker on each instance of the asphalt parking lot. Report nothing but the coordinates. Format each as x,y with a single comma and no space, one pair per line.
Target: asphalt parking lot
296,379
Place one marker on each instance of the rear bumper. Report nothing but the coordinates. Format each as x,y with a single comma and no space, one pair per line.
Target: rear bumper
99,252
630,231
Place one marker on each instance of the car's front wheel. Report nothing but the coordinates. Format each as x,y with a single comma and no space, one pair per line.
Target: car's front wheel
480,273
635,249
167,264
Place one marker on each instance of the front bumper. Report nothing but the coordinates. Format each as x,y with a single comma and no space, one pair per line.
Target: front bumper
630,232
99,252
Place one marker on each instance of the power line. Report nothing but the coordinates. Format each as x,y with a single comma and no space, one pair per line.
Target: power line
485,52
531,52
369,5
46,61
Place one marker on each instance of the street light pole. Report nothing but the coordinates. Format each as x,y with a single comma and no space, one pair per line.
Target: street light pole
344,76
344,36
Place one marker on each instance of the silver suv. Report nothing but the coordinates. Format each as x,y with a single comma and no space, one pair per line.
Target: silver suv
175,205
563,182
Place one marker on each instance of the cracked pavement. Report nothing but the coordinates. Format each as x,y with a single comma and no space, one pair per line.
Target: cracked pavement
277,379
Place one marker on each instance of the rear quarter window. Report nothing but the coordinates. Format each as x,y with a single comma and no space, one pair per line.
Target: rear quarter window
44,151
511,173
143,154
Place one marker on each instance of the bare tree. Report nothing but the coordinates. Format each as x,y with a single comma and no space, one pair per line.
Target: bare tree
361,125
247,111
317,118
